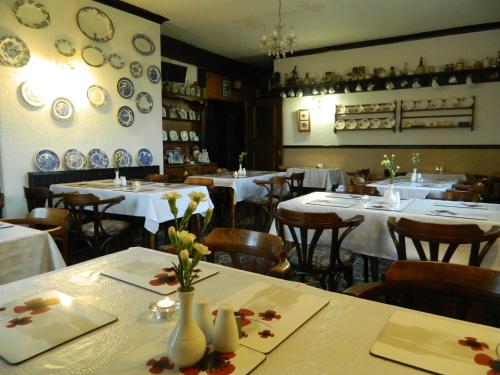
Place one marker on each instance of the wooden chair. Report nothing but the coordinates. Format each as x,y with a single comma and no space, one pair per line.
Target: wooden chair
361,190
282,168
307,264
357,181
2,203
224,214
222,171
249,250
464,196
199,181
452,235
88,223
155,177
296,182
55,221
491,193
453,290
40,197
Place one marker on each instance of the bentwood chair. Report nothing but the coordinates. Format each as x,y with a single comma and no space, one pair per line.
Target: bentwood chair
90,225
248,250
452,235
464,196
361,189
156,177
202,181
40,197
453,290
305,259
296,182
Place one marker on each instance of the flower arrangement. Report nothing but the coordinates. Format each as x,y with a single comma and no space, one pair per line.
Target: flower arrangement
241,157
189,252
415,159
117,159
390,165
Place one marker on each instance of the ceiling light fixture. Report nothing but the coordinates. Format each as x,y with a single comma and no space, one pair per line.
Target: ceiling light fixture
277,45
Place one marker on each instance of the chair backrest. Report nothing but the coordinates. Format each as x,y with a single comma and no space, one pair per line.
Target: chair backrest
296,182
361,189
464,196
434,234
276,187
491,191
199,181
156,177
282,168
224,206
358,180
222,170
249,250
457,291
39,197
48,216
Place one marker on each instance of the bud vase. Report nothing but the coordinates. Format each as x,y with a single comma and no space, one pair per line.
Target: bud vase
414,175
390,197
186,344
117,181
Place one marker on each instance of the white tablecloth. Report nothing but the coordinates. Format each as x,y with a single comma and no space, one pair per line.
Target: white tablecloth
431,183
336,340
26,252
321,178
244,187
372,236
147,204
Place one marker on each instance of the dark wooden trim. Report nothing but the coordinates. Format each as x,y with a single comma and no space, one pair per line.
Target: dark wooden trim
401,38
452,147
132,9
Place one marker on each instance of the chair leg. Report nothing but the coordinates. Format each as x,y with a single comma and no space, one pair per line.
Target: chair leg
366,261
348,275
374,268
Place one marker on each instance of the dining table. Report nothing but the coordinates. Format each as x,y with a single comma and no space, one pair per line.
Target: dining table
319,178
429,183
372,237
335,339
26,252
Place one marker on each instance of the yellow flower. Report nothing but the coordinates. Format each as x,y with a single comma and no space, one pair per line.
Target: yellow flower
171,231
173,195
197,196
184,254
185,237
202,249
192,205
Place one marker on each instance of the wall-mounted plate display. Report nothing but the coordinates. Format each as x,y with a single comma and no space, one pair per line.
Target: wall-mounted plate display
351,124
184,136
451,103
62,109
97,96
125,116
408,105
164,135
163,111
173,135
74,159
388,123
123,156
341,109
116,61
143,44
422,104
125,88
375,123
13,51
154,74
136,69
466,102
192,136
364,123
32,94
436,103
144,102
340,124
65,47
47,161
31,13
95,24
93,56
144,157
98,158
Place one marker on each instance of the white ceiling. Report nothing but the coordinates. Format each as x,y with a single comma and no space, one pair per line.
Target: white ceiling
232,28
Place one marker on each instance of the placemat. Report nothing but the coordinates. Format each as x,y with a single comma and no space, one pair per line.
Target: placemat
334,202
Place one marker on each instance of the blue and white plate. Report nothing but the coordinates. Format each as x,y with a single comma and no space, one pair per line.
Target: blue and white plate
144,157
74,159
125,88
154,74
47,161
136,69
98,158
144,102
62,109
123,157
125,116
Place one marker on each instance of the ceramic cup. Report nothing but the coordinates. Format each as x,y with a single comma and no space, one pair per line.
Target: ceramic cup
291,93
416,84
452,79
123,181
404,83
389,85
435,84
370,87
346,89
283,95
359,87
468,81
299,93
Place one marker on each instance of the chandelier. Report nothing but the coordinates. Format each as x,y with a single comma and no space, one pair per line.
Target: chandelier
278,45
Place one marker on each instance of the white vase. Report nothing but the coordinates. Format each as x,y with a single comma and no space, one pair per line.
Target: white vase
186,344
390,197
240,171
117,181
203,318
414,175
226,337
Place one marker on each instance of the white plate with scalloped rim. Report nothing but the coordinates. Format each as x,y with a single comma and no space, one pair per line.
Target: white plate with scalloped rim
340,124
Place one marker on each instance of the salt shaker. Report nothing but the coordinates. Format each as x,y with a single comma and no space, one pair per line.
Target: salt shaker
123,181
204,319
226,330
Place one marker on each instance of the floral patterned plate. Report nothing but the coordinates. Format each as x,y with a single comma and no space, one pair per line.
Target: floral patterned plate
95,24
74,159
125,116
144,157
65,47
93,56
144,102
125,88
13,51
62,109
116,61
136,69
143,44
154,74
97,96
47,161
98,159
31,13
123,156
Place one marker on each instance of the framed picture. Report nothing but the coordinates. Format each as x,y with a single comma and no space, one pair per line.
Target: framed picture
226,87
304,120
173,156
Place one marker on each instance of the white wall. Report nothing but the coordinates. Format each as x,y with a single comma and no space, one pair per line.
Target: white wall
24,130
436,51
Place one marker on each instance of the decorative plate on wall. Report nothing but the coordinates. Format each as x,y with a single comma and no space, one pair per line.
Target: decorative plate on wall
143,44
136,69
125,88
124,157
13,51
98,158
184,136
31,13
65,47
32,94
154,74
62,109
74,159
97,96
144,102
93,56
144,157
95,24
116,61
126,116
47,161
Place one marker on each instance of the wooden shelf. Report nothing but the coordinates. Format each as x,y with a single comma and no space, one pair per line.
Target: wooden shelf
180,120
359,129
171,95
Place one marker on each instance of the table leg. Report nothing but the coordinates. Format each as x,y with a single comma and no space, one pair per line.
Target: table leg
152,240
